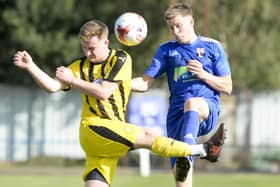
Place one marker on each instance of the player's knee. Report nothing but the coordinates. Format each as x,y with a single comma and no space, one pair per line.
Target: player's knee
192,104
199,105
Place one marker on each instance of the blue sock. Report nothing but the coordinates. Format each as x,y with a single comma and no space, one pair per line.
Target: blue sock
190,127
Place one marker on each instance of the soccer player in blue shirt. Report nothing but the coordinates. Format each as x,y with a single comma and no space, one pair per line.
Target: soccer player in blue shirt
197,71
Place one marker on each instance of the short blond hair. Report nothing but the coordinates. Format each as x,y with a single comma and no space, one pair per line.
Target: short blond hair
93,28
177,9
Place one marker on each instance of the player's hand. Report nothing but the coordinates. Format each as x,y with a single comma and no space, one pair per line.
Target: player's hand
22,59
65,75
196,68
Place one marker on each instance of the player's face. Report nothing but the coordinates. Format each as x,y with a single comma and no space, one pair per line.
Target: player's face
182,28
96,50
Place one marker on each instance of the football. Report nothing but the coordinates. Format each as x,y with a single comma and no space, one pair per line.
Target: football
130,29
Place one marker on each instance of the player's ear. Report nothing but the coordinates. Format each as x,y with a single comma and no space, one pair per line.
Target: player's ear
192,21
107,42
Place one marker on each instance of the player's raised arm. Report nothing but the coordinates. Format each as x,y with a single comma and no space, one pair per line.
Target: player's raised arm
99,89
141,84
24,61
219,83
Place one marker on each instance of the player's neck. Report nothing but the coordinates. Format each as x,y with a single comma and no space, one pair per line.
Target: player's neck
194,38
191,39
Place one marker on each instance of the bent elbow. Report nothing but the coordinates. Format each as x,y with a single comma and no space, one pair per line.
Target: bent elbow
50,90
52,87
228,91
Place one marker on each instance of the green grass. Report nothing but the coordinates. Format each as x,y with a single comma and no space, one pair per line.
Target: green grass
40,181
237,180
202,180
155,180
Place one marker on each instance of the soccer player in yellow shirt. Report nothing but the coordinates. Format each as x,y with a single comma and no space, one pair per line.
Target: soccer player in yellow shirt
103,78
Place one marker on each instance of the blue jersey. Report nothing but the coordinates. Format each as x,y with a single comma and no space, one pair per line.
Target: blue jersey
172,58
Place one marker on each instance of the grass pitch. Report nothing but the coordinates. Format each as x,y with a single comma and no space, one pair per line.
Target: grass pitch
155,180
202,180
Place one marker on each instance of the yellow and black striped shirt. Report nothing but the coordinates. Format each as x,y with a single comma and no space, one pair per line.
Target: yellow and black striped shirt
117,67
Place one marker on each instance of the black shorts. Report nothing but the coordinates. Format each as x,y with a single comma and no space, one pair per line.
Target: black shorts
96,175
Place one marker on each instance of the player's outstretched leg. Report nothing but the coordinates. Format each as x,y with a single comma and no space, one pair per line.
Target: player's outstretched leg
215,144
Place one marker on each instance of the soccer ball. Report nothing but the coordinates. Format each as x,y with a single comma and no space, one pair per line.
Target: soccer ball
130,29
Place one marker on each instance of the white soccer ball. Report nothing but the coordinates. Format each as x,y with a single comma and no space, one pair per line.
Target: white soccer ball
130,29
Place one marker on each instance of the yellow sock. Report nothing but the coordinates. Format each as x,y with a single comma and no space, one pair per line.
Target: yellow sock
168,147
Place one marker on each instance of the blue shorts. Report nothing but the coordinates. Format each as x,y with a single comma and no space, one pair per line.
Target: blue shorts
174,128
211,122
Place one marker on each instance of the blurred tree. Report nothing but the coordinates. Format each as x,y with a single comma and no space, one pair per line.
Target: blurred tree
249,31
48,30
42,28
252,37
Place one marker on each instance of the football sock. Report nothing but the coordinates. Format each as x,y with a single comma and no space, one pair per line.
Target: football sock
168,147
191,127
198,150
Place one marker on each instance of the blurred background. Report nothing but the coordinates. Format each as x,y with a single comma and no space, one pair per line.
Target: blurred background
37,128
